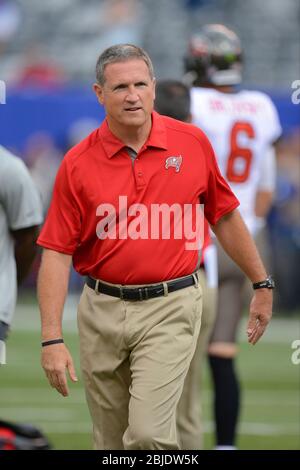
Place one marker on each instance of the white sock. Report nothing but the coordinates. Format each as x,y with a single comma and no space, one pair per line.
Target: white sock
225,448
2,352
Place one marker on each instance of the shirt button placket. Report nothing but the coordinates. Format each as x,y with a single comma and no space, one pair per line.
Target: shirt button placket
140,182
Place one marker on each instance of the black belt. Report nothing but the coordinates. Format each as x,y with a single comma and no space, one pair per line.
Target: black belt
142,293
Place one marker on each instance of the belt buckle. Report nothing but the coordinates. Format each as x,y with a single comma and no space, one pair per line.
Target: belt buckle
143,293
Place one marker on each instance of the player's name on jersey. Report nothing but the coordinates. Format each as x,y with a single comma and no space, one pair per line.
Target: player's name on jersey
232,105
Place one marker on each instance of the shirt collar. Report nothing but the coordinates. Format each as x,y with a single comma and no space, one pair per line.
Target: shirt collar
157,138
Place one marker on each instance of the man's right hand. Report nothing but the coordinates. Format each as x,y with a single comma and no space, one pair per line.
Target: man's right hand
55,360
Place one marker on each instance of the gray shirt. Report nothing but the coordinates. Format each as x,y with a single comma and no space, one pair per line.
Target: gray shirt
20,207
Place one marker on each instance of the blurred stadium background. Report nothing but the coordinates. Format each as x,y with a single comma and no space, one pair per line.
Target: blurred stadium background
48,52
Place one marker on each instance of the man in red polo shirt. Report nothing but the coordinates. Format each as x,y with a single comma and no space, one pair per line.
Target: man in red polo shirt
125,209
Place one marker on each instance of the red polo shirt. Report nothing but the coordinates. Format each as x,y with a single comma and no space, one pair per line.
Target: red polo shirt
98,173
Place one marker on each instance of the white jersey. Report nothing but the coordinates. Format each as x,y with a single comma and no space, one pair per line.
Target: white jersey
241,127
20,207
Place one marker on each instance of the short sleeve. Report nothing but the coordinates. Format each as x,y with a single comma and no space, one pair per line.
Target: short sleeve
18,194
218,199
61,231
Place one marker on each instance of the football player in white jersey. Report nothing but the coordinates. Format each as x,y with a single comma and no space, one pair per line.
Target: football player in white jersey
242,127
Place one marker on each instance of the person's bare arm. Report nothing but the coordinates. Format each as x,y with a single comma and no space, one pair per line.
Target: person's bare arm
53,282
25,249
236,240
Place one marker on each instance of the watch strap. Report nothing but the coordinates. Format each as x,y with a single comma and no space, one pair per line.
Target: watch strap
267,283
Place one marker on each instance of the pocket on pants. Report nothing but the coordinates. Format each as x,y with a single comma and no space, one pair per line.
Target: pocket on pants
192,301
198,305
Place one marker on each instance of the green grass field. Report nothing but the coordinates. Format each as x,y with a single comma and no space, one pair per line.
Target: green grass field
271,385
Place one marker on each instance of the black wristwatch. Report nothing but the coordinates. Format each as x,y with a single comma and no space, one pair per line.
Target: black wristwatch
268,283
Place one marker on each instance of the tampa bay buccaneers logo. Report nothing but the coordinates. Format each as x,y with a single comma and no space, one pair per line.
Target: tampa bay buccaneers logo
174,162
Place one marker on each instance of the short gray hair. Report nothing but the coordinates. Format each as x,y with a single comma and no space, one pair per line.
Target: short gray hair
121,53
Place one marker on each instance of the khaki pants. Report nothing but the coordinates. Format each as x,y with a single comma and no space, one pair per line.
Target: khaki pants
189,416
134,359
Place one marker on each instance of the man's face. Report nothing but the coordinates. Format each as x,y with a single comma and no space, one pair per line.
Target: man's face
127,94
